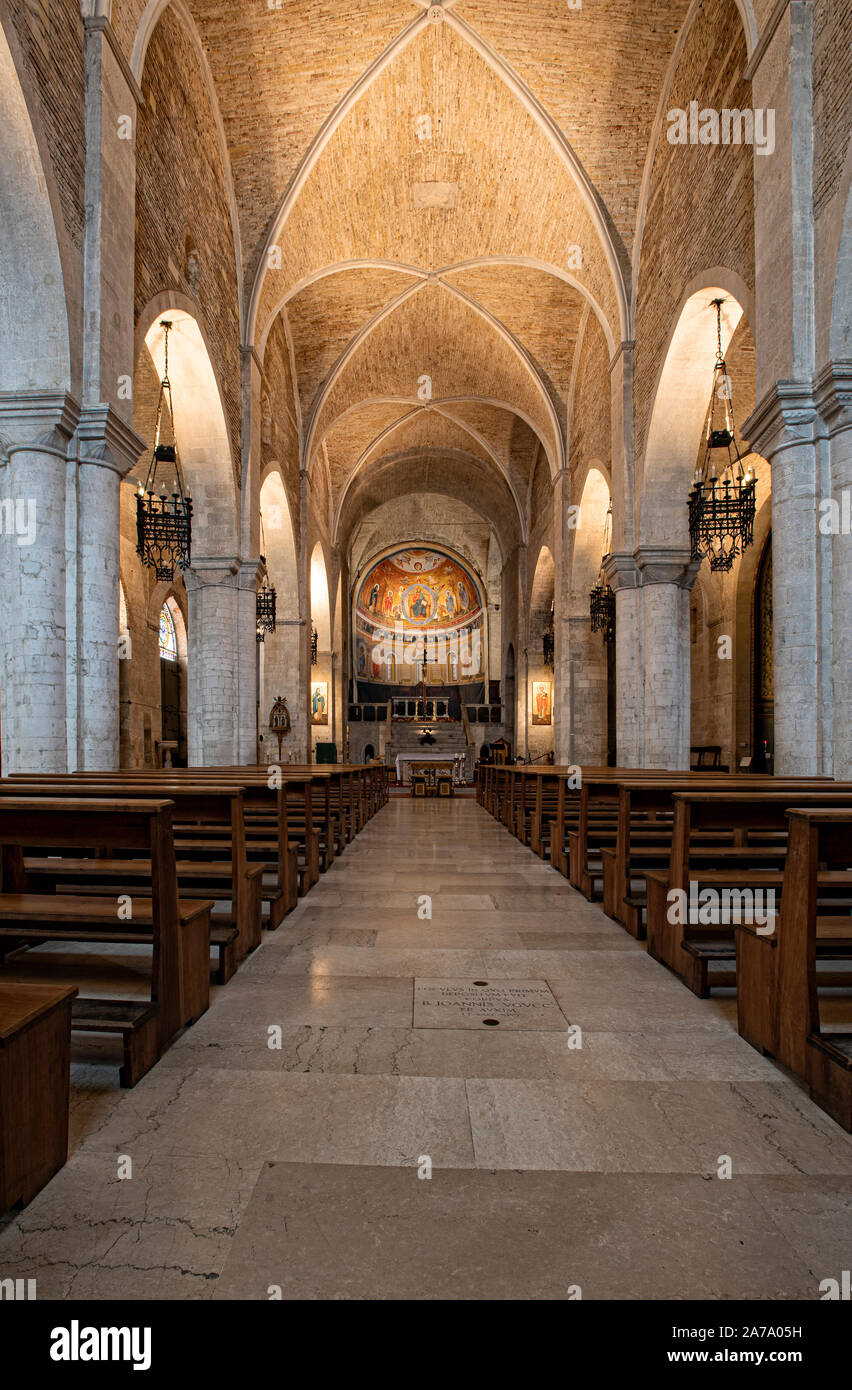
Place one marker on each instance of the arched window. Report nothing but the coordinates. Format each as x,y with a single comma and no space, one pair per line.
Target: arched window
168,636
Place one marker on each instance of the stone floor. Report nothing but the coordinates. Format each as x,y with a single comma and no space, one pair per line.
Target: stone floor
574,1143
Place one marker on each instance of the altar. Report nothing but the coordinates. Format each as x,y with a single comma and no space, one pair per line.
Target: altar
454,761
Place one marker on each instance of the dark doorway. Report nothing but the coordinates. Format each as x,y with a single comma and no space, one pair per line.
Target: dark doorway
170,698
764,666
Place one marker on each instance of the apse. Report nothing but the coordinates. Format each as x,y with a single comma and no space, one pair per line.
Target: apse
418,619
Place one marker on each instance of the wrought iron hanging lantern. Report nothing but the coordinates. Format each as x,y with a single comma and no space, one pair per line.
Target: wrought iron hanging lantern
601,596
721,510
163,521
314,646
266,600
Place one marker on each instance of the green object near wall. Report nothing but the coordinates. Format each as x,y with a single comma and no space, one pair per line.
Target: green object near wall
326,752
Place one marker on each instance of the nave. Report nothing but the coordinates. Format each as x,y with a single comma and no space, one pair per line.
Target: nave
555,1167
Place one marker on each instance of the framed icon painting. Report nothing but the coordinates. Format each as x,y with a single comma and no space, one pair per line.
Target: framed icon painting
319,702
542,701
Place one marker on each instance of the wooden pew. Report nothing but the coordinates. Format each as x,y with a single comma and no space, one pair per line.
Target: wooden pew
642,839
267,834
596,819
817,838
207,867
35,1066
689,949
142,826
777,975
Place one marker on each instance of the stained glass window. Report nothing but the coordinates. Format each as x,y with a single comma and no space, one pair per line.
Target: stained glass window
168,636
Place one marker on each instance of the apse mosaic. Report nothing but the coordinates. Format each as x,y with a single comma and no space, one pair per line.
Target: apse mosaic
418,616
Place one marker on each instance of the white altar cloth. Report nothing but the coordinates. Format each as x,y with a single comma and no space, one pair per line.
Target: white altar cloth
457,760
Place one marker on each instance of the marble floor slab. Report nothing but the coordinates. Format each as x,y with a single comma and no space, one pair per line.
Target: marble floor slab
511,1005
577,1142
331,1233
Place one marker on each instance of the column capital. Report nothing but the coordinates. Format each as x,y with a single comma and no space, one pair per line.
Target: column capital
786,416
211,571
250,572
250,358
620,570
667,564
99,27
108,441
833,396
35,420
624,350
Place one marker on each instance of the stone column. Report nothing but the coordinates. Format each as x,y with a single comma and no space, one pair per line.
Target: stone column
588,688
214,593
834,397
35,434
106,450
781,74
623,463
622,575
106,447
562,648
248,578
667,575
785,429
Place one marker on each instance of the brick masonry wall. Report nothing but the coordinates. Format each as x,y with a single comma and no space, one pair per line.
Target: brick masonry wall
126,15
51,35
832,75
700,209
591,430
280,438
181,195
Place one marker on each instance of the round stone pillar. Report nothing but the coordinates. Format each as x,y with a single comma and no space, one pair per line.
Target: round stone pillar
785,429
107,449
835,523
667,575
36,431
212,699
623,578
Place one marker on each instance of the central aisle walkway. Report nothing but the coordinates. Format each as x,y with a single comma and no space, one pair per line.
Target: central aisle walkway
554,1166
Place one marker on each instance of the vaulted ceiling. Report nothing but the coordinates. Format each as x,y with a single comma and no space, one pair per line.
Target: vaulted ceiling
430,198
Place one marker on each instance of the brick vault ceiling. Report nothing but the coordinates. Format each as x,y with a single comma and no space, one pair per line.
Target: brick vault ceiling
454,254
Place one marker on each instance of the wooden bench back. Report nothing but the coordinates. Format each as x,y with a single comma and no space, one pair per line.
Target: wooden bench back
819,839
144,825
754,809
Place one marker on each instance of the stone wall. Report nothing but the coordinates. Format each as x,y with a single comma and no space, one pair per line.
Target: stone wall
50,33
184,236
700,206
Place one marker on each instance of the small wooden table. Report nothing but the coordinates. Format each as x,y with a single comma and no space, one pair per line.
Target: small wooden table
35,1071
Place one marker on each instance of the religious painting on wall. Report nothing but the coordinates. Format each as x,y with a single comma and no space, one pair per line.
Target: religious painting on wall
415,603
319,702
542,712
